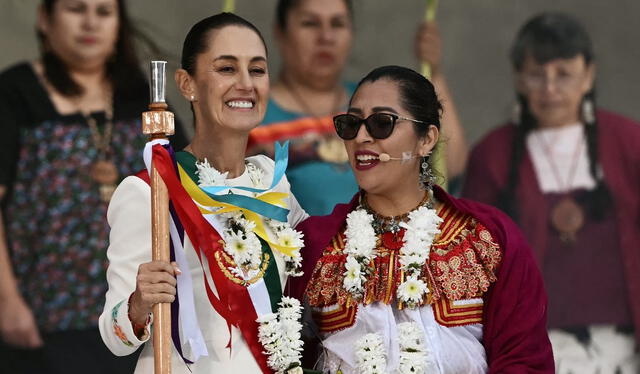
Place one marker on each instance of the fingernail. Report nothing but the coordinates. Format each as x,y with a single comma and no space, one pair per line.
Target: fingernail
178,271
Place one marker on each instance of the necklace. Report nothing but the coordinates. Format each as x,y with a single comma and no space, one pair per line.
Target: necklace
567,216
421,227
103,170
329,147
382,224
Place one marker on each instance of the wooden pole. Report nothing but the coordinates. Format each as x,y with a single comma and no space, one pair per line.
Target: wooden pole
438,160
158,123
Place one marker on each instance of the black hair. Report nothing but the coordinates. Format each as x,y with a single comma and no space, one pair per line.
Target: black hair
197,39
123,69
417,94
546,37
284,7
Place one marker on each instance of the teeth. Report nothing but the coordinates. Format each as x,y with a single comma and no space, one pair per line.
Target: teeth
240,104
366,157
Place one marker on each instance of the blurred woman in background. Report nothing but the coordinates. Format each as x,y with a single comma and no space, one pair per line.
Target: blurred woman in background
569,175
71,132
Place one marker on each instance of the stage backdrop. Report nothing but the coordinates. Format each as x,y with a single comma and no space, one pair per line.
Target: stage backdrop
476,35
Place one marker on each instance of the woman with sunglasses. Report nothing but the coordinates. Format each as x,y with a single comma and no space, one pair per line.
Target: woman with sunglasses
570,176
314,38
405,278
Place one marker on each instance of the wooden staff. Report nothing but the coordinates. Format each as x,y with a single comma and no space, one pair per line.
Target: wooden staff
158,123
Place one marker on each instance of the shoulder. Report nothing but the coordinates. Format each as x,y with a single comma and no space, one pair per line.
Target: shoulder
499,224
613,124
499,135
132,193
16,73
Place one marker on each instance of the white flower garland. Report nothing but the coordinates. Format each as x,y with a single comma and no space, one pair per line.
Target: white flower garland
371,354
241,242
413,353
280,336
420,231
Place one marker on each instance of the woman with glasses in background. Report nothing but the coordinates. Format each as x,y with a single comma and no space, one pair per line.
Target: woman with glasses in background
570,176
405,278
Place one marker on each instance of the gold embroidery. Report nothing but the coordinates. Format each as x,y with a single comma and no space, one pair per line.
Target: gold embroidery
224,261
461,266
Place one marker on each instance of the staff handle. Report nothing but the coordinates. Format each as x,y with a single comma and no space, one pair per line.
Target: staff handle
158,123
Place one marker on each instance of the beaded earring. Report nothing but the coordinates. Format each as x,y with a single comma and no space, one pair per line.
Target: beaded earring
588,112
427,179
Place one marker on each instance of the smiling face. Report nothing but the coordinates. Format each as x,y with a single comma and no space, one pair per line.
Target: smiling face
373,175
230,86
83,33
554,90
317,39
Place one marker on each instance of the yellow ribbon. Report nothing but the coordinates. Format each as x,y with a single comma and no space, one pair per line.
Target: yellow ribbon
217,207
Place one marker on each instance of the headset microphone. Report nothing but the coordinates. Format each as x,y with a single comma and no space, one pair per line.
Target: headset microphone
406,156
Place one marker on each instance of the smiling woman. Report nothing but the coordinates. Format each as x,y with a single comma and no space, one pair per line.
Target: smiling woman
226,310
70,123
406,278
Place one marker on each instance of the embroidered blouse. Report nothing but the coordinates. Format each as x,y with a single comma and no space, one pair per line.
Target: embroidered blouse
461,267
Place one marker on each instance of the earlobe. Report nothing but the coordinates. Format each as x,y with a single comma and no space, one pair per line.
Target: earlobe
184,82
42,22
428,142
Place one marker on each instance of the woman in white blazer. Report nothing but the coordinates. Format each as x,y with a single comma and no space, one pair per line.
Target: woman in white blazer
228,288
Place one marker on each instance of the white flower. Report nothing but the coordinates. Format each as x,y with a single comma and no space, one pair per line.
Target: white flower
237,247
280,336
289,237
208,175
413,354
353,277
412,290
371,355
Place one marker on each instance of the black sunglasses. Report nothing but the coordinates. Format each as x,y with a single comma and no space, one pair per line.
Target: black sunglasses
378,125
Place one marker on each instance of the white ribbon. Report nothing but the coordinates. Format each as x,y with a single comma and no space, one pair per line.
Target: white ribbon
192,341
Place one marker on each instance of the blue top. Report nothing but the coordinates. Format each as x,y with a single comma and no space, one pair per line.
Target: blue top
318,182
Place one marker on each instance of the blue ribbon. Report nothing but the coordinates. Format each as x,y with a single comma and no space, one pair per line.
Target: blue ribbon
282,159
246,202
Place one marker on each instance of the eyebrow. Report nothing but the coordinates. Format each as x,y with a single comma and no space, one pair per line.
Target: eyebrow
376,109
234,58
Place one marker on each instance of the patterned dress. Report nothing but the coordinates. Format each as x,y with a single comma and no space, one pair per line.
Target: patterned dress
56,221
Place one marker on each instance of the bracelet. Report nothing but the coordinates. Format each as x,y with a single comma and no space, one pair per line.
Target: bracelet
138,329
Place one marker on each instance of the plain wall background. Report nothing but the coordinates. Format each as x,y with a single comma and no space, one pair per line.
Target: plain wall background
476,36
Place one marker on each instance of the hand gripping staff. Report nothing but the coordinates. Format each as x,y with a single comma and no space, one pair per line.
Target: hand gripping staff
158,123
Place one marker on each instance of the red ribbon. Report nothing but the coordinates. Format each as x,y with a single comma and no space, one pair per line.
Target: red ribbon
234,303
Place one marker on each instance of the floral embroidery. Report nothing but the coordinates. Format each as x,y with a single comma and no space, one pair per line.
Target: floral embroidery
461,266
116,327
59,244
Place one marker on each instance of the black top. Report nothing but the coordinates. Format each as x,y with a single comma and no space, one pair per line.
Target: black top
24,102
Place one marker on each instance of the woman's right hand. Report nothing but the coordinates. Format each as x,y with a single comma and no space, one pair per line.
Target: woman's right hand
155,283
17,324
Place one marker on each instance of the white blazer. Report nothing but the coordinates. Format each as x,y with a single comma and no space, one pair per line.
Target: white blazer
129,216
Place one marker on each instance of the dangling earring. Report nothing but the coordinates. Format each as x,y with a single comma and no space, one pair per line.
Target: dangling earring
588,115
427,179
516,112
